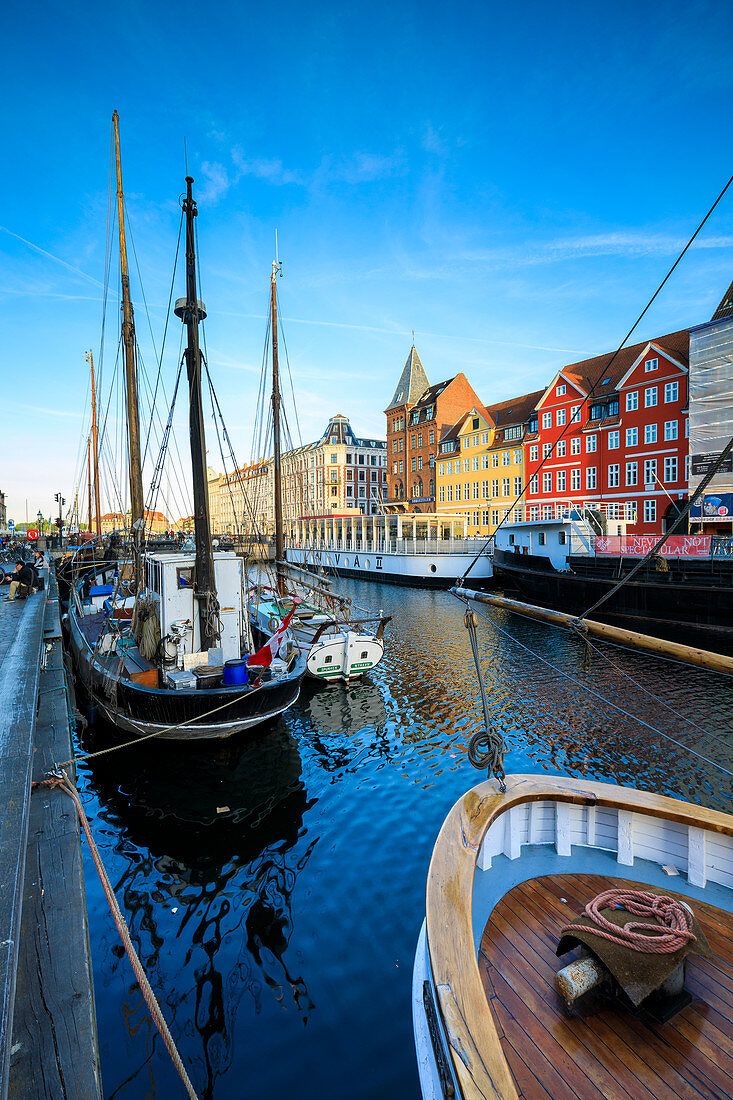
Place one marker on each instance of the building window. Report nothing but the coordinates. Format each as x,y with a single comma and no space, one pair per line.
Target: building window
475,490
485,517
517,486
475,462
632,437
597,412
650,511
547,511
450,493
590,477
632,401
575,413
412,442
449,467
547,420
632,473
495,459
414,463
650,471
614,474
402,444
419,462
651,364
670,470
614,441
466,465
495,487
506,458
505,486
513,433
575,478
458,492
484,462
534,483
431,436
401,466
560,417
547,483
560,391
485,490
534,453
591,443
560,448
650,433
575,445
671,391
475,438
394,468
441,468
517,458
561,481
534,513
650,397
419,439
546,450
485,441
495,517
670,429
441,494
687,429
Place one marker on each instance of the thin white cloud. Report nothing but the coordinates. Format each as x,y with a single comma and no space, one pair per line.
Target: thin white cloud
50,256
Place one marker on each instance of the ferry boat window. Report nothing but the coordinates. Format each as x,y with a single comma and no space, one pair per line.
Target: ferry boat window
327,660
511,540
562,538
184,577
542,539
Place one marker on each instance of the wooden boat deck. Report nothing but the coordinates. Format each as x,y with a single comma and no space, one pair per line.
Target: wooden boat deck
610,1054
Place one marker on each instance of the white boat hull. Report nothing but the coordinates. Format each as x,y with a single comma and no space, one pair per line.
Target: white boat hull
422,570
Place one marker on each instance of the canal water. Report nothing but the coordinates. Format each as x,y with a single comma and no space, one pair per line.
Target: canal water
274,886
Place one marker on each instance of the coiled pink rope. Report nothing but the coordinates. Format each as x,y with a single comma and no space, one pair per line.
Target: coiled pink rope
668,931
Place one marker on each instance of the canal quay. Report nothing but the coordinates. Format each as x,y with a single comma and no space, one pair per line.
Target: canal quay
274,885
48,1043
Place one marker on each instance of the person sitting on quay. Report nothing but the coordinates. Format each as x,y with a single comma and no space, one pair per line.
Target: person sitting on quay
22,583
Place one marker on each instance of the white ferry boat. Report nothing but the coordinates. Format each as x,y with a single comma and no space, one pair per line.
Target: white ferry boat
426,550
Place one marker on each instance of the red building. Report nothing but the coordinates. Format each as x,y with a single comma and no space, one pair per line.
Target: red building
613,434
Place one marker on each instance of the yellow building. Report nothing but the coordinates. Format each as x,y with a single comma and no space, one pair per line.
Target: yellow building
481,463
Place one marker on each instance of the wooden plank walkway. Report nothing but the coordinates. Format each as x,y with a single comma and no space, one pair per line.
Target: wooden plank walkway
610,1054
54,1041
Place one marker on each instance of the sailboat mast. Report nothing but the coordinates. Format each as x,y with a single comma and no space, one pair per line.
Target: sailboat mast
192,311
89,478
279,541
95,454
128,342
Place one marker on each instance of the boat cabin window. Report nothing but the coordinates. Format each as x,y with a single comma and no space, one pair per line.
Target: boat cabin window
327,660
364,654
184,577
511,540
541,538
562,537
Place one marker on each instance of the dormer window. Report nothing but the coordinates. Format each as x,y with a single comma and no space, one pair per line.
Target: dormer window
650,365
474,424
560,390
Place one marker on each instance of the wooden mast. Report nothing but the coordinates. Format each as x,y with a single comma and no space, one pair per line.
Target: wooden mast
95,454
192,311
128,342
279,540
89,479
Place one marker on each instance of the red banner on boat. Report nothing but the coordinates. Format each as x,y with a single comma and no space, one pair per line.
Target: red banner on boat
638,546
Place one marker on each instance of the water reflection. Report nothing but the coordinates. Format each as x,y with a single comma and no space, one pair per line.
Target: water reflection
208,835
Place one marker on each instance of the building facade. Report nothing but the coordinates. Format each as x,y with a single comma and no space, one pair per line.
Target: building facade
417,417
611,433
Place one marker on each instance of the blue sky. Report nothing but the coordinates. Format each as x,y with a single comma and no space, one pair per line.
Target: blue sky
511,182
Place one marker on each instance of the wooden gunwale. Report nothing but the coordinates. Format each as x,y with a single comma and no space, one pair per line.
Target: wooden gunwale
478,1060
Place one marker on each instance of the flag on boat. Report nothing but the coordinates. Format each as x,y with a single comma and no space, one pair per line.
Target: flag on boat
271,648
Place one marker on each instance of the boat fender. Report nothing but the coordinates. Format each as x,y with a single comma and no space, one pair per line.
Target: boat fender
273,623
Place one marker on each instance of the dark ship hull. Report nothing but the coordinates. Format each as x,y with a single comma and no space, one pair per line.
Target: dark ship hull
691,596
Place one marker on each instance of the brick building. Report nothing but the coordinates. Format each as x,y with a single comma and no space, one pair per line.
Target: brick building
417,417
614,435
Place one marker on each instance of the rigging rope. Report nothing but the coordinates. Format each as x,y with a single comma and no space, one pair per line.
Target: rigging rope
586,399
486,749
61,781
669,929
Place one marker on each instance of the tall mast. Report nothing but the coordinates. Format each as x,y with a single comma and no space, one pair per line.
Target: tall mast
128,342
279,541
89,478
95,454
192,311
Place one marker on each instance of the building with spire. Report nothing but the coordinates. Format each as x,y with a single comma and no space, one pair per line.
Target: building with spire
417,416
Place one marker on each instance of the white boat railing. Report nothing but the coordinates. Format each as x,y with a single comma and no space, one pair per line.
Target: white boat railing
407,547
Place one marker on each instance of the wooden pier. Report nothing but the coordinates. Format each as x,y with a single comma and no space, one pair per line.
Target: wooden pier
48,1038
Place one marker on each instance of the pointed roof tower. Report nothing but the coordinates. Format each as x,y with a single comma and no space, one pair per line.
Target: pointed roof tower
725,309
412,384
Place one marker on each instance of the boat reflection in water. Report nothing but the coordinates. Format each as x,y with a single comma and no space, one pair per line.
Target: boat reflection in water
203,855
337,713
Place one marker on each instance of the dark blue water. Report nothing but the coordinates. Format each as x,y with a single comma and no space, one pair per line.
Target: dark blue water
274,886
